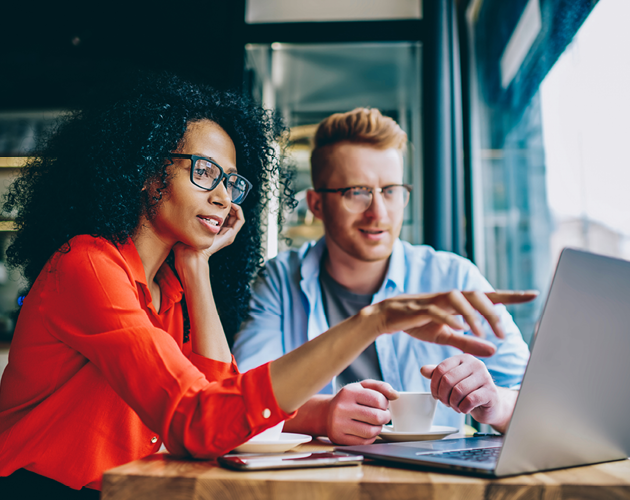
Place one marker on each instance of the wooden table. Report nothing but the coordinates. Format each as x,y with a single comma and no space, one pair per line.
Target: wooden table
162,477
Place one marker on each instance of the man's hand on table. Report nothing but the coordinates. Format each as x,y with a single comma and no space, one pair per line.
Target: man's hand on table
357,413
464,384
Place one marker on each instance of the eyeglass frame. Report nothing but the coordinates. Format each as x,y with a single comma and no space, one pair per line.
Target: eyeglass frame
221,178
343,191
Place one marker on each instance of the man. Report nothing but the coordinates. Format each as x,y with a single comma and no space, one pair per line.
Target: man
357,173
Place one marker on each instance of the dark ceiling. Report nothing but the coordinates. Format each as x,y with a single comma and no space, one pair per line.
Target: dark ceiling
53,51
50,52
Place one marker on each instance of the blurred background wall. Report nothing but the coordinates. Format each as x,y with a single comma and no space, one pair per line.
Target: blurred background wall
516,110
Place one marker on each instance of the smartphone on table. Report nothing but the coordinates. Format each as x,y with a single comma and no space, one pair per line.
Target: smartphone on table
271,461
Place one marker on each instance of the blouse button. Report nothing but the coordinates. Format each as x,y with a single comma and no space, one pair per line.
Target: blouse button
266,413
153,440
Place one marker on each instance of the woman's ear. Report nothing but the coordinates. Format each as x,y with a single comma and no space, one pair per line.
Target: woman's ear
314,201
154,190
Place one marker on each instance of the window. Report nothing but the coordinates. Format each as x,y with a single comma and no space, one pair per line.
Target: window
549,108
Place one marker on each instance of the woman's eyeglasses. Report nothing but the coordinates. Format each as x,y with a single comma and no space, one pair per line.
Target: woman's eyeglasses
207,174
358,199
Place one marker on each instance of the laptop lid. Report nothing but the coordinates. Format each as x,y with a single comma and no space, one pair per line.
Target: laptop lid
574,404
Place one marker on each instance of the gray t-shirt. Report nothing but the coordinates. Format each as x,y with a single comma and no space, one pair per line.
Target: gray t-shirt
339,304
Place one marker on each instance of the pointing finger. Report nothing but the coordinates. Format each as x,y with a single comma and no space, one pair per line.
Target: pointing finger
458,301
512,296
484,305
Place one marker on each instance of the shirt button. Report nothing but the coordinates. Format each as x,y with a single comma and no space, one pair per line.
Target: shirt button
153,440
266,413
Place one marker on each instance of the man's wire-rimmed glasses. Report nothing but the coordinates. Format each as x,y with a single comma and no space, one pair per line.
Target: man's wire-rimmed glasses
207,174
358,199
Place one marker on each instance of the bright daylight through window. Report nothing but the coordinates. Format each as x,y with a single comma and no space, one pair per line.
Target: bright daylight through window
549,103
585,104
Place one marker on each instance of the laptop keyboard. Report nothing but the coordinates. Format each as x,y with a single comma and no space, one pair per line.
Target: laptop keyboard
473,455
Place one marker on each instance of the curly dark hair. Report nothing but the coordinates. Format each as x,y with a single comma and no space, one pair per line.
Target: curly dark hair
87,177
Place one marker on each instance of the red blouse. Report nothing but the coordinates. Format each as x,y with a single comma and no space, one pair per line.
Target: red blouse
97,377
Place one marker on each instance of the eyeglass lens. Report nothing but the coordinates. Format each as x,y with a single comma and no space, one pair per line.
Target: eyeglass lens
207,175
359,199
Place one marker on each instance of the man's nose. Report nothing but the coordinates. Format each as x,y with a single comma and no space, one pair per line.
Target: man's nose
377,208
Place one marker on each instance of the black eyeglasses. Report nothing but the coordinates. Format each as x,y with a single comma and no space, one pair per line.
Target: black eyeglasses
207,174
358,199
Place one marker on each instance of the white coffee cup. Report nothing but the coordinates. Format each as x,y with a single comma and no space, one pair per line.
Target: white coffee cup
413,411
271,434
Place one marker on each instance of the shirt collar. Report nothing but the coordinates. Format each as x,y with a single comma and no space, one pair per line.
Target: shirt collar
312,257
170,286
172,291
396,271
132,258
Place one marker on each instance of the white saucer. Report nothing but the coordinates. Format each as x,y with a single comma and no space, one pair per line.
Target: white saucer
286,442
436,432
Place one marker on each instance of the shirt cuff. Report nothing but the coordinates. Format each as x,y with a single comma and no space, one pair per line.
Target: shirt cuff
263,410
213,369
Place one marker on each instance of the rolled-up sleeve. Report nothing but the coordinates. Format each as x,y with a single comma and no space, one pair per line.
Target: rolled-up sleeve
199,406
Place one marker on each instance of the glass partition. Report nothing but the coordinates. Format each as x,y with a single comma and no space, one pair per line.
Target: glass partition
305,83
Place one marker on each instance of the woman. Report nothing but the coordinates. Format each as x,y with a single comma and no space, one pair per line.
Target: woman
128,210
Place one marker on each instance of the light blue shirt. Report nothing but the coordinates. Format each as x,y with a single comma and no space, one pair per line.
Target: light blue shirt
286,310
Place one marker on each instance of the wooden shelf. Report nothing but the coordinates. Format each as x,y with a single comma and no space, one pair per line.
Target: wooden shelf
12,161
7,226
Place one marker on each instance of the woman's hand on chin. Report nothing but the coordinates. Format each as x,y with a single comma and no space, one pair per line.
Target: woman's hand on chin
230,228
187,256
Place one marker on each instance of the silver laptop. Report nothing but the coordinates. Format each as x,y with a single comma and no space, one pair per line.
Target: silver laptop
574,404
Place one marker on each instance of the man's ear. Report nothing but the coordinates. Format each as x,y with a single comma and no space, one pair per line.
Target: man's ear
314,201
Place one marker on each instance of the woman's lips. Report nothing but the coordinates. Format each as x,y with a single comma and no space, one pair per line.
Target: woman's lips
212,222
